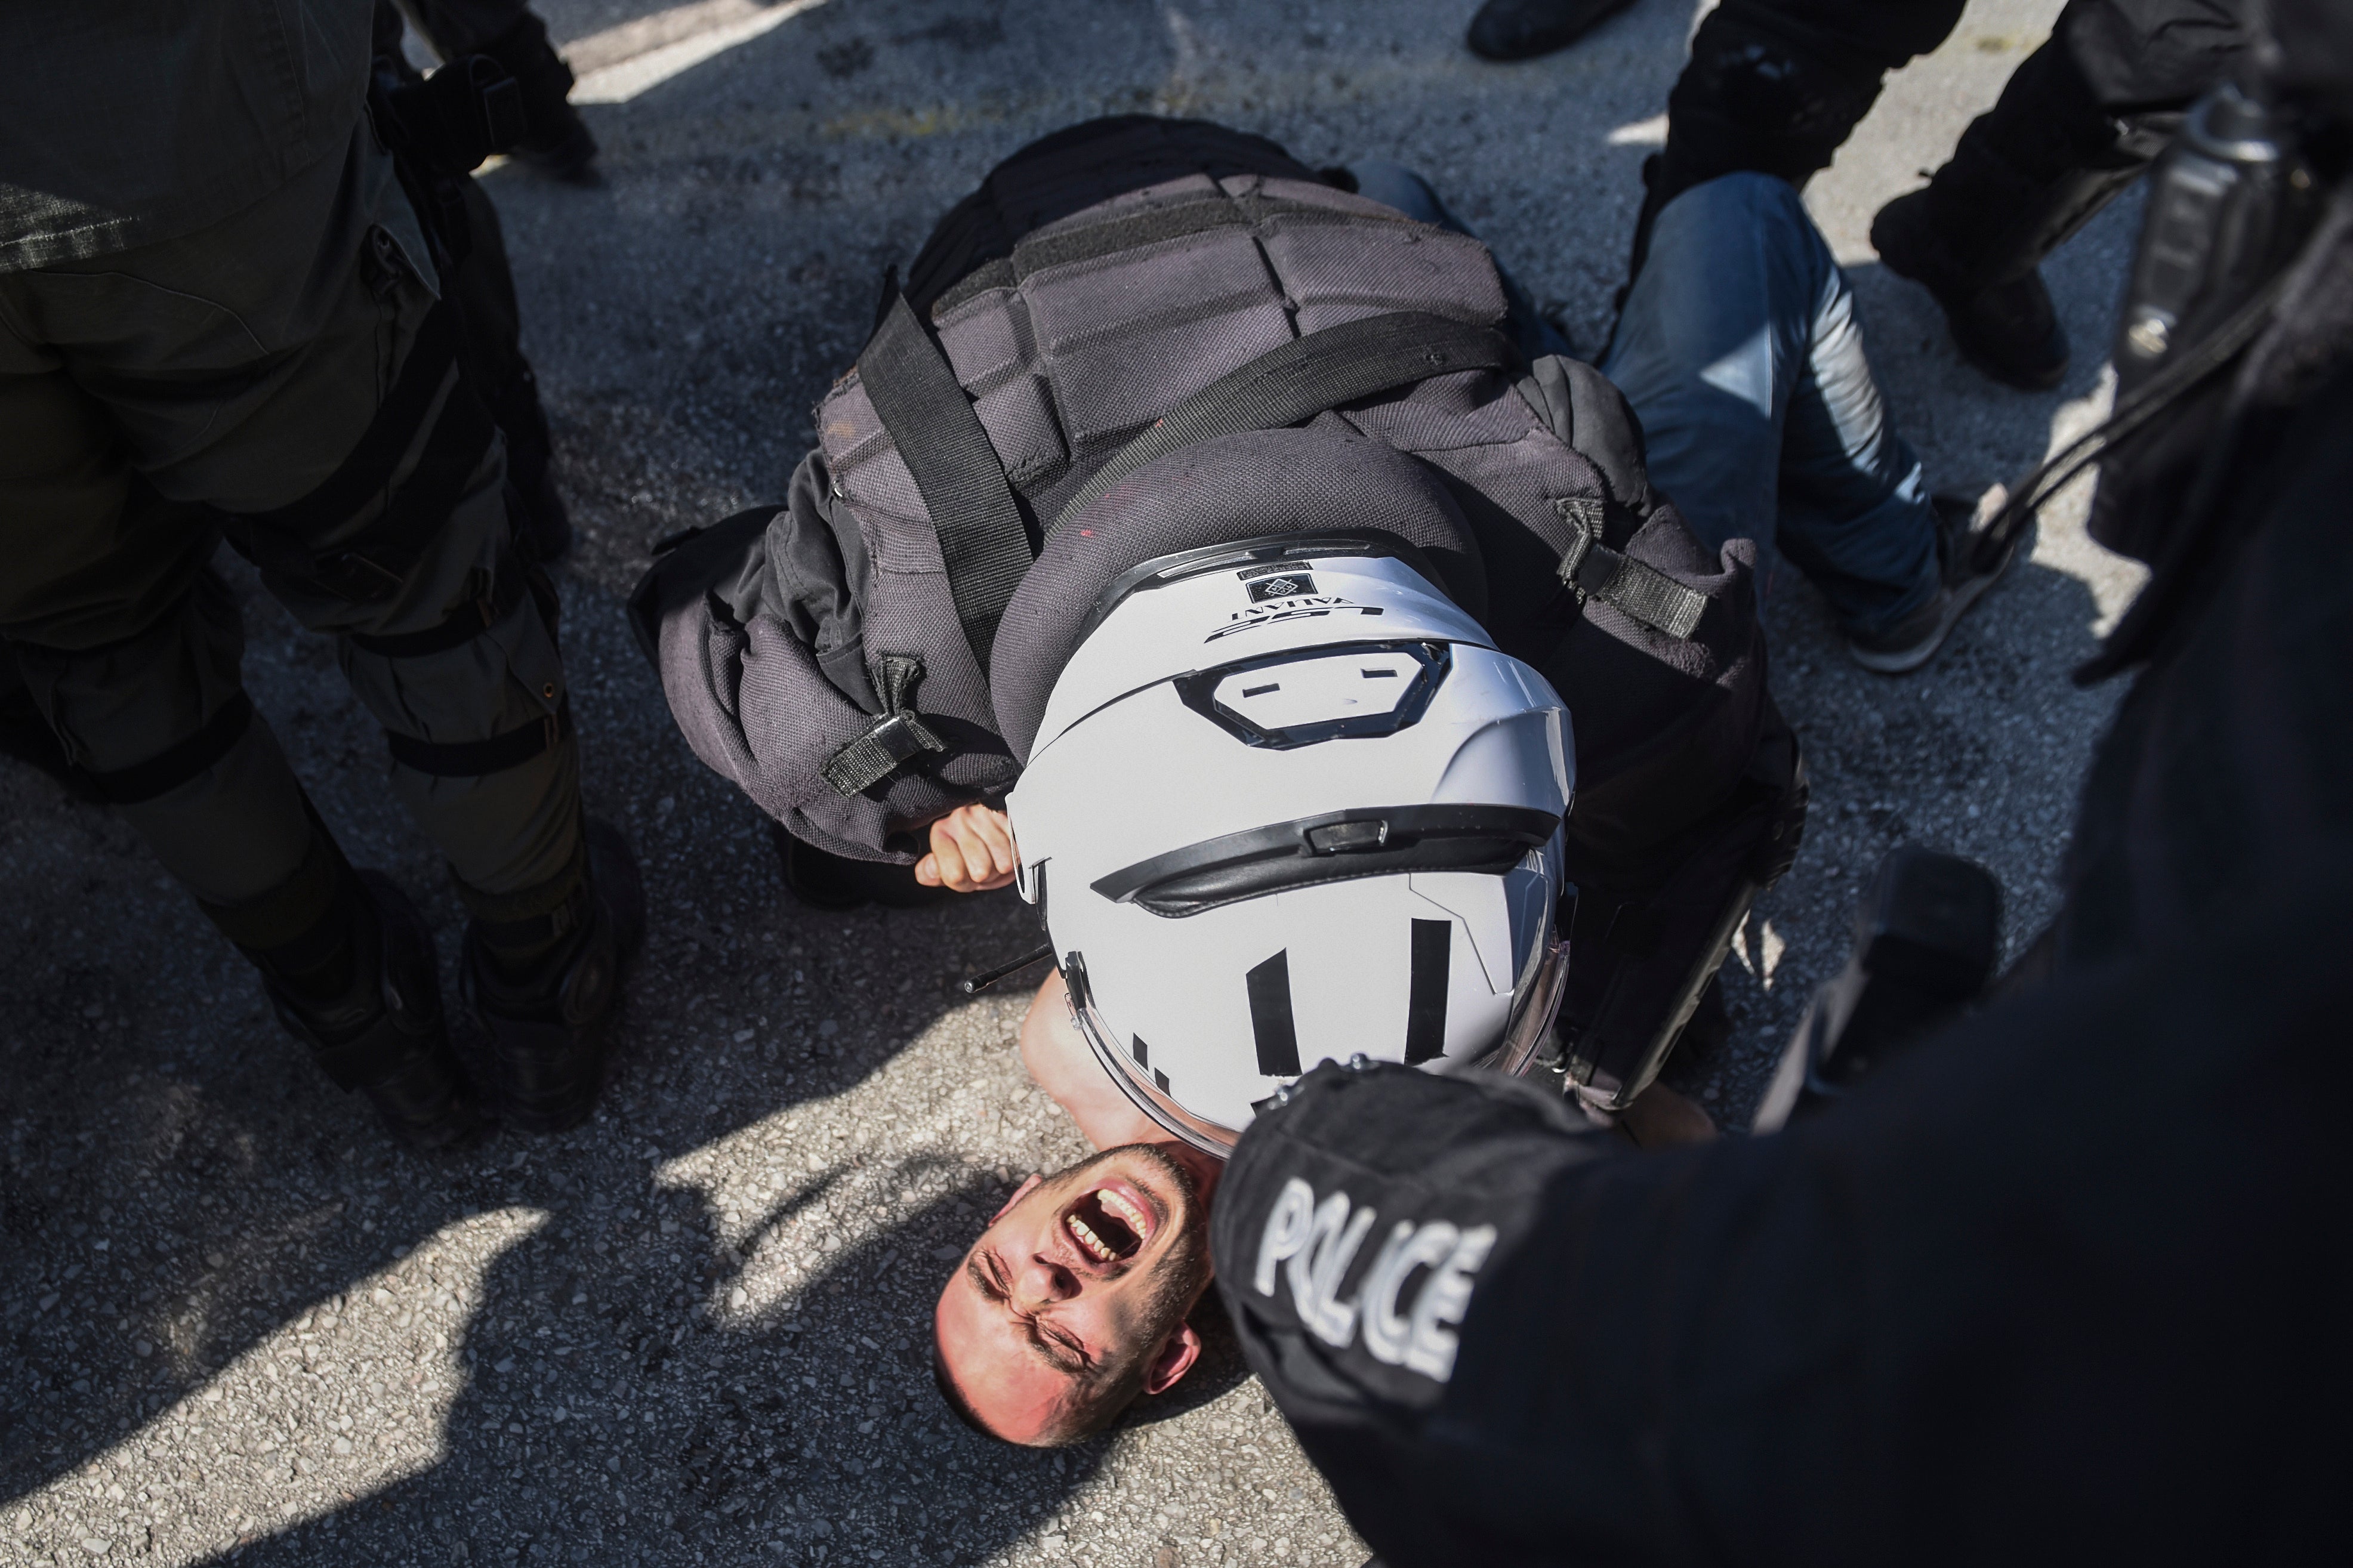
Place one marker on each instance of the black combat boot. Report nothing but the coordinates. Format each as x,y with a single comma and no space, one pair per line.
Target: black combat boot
543,988
556,142
2008,327
362,988
1523,29
2025,176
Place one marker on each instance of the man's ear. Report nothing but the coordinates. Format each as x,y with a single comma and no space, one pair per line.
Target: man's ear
1175,1358
1018,1194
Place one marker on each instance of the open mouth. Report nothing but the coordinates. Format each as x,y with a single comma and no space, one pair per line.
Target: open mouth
1110,1224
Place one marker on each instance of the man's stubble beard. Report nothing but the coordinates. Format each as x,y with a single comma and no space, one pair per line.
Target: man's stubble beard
1182,1272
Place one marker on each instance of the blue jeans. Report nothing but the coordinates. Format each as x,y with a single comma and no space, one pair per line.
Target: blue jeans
1739,352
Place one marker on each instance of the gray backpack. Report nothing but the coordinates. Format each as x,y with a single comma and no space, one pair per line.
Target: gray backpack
1141,337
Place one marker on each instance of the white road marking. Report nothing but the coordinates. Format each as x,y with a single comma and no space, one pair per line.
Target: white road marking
617,64
1650,132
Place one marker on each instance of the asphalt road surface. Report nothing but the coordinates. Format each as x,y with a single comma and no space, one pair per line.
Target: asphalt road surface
238,1325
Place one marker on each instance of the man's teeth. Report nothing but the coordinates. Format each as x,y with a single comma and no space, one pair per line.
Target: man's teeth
1126,1213
1090,1240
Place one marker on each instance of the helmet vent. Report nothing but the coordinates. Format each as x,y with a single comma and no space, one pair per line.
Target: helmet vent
1380,841
1333,689
1307,696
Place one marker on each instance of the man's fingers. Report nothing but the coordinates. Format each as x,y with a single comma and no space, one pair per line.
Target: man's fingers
947,859
982,843
972,851
992,834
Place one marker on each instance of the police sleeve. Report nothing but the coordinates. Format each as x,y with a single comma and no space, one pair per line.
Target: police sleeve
1362,1231
2064,1285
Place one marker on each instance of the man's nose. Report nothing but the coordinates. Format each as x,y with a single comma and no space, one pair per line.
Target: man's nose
1042,1281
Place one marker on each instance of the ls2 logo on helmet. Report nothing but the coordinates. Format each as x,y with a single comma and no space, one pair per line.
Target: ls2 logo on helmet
1284,585
1289,610
1314,1243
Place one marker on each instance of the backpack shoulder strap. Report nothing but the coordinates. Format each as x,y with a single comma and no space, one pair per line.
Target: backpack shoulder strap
1303,379
983,539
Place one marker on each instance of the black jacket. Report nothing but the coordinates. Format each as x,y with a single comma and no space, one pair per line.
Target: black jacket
2069,1284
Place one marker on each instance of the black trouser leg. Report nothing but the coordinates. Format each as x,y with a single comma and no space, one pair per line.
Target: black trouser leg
1777,86
354,975
2074,126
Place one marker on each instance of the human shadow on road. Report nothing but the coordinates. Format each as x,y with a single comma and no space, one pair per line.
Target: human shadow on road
657,1422
181,1186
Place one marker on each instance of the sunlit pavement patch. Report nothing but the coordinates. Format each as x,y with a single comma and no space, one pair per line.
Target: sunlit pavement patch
337,1403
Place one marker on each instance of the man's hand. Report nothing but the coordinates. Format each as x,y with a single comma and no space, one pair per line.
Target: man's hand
972,851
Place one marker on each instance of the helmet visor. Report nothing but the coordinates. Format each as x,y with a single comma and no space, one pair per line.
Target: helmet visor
1535,1004
1131,1078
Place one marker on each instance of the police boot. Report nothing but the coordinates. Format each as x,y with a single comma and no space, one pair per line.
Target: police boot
361,987
2025,176
2008,327
543,989
556,142
1523,29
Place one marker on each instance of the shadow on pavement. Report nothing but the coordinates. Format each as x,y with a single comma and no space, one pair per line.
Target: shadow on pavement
649,1423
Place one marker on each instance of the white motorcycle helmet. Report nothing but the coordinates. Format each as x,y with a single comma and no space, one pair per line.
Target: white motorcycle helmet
1289,803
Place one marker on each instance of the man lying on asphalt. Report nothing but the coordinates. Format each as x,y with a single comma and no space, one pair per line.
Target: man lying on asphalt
1250,520
1076,1300
1087,516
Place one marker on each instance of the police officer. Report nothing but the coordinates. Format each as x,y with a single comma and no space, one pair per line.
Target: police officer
2055,1286
222,313
1778,85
